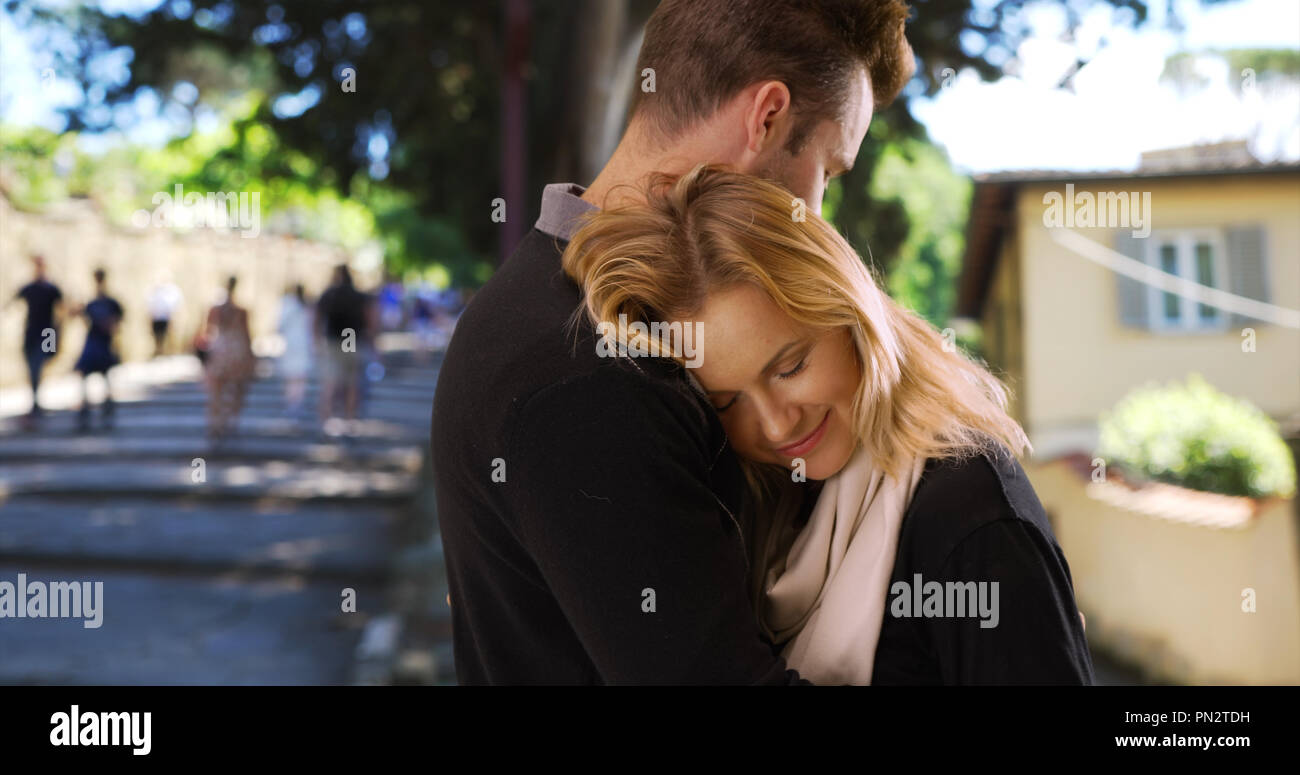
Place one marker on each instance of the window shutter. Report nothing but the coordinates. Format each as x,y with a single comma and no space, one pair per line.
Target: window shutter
1131,293
1247,267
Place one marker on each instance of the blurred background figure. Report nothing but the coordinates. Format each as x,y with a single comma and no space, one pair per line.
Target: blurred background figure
104,314
344,316
391,298
163,301
295,364
422,324
40,334
447,313
229,363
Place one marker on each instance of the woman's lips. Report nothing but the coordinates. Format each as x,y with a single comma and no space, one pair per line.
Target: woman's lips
806,444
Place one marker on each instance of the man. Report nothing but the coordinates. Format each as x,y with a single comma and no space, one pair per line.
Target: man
344,318
39,337
590,513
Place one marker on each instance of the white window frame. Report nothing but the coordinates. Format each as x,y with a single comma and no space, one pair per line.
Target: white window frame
1185,241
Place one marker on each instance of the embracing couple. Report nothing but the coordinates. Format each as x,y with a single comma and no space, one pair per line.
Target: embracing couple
826,493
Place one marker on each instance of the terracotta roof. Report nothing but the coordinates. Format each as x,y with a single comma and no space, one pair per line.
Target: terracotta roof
1140,173
1163,501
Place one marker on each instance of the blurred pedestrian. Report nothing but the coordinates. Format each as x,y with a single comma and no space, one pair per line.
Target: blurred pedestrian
390,305
229,363
345,319
422,324
98,356
40,334
163,301
294,365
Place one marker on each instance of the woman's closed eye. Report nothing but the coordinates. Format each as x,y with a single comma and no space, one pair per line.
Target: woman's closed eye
794,372
803,364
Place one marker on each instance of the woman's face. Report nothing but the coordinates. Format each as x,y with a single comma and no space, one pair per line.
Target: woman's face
784,391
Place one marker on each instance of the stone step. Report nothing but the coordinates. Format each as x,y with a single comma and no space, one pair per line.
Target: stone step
371,453
272,400
410,429
165,535
274,389
379,408
222,479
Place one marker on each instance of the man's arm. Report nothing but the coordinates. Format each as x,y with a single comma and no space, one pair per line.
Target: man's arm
1038,638
608,486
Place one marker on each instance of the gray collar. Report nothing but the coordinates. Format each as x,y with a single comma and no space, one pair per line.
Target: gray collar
562,206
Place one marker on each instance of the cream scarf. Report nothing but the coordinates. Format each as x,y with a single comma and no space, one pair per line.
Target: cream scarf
827,596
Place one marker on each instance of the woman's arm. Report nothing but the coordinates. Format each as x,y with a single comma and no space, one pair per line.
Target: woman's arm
971,525
1029,631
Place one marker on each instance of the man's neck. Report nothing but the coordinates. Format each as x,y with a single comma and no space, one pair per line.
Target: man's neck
624,176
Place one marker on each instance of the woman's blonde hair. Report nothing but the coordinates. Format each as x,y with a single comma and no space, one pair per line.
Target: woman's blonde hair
711,228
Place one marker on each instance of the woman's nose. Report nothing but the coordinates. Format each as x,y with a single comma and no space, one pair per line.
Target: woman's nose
778,419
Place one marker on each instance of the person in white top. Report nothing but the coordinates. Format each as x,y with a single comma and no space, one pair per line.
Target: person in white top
295,364
163,301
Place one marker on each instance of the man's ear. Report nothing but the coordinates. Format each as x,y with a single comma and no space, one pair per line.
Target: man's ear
768,118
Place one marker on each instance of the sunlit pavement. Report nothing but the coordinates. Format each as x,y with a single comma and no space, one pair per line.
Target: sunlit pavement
226,564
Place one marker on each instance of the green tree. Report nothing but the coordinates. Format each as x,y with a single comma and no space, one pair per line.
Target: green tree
425,117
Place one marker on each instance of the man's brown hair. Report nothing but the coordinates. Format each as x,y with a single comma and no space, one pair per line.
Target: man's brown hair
705,51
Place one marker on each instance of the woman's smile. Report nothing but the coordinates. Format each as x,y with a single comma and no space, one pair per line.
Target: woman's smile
808,443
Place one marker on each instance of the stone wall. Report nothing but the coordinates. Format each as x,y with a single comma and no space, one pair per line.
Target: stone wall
75,239
1164,575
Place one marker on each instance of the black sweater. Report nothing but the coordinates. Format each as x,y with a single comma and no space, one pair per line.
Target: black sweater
591,521
978,520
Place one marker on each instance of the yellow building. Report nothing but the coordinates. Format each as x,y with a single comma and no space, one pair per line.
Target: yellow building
1075,279
1071,337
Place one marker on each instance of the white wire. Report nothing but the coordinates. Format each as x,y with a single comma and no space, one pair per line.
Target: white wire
1179,286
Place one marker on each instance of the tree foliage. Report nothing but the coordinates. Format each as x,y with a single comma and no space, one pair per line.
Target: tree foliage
425,116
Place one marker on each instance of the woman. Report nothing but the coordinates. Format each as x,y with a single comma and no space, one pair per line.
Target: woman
891,518
104,314
295,364
229,363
